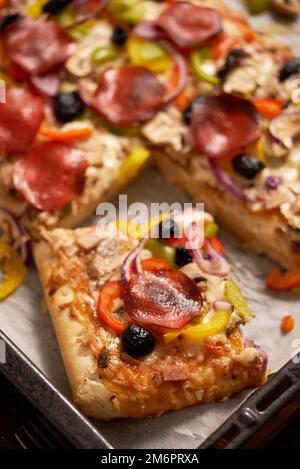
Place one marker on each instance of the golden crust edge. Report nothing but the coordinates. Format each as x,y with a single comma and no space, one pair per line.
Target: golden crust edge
89,392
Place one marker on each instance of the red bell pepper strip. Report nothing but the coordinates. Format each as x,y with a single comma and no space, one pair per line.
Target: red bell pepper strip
277,281
268,108
152,263
108,294
222,46
66,135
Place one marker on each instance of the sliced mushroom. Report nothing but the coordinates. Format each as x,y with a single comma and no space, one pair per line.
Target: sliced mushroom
286,7
283,130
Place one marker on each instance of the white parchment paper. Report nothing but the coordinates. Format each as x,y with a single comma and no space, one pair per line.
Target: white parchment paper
23,319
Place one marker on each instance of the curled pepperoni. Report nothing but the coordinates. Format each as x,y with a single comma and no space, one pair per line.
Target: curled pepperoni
189,25
128,95
51,175
223,125
36,46
167,299
20,118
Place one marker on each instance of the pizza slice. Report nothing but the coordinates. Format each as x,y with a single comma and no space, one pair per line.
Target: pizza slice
57,158
231,138
147,325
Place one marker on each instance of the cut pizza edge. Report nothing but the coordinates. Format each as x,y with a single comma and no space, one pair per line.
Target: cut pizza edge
263,232
143,369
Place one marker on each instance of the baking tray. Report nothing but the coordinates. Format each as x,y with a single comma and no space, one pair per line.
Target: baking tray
34,365
280,396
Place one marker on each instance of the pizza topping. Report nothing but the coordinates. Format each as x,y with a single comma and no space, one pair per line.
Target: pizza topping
182,256
8,20
72,135
51,175
282,132
54,6
190,25
119,36
110,292
204,67
269,107
216,325
282,282
137,341
68,106
46,85
236,298
210,261
166,299
15,234
287,323
233,60
128,95
20,119
247,166
168,228
291,67
224,124
13,269
37,46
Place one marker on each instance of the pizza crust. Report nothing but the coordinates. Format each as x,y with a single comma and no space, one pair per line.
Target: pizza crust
129,388
89,392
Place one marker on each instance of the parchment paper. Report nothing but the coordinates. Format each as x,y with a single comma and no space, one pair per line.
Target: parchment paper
24,320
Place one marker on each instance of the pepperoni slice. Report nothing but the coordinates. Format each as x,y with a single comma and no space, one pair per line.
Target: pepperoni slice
168,299
223,125
189,25
20,118
128,95
36,46
51,175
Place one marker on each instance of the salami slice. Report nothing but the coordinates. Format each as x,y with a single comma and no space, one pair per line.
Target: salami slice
223,125
128,95
36,46
51,175
189,25
167,299
20,118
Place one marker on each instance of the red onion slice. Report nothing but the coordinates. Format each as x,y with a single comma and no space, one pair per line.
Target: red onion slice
89,15
227,182
149,30
210,261
22,242
262,354
181,64
131,260
47,85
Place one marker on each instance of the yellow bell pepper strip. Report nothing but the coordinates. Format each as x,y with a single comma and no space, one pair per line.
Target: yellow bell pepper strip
211,229
67,135
131,11
161,250
236,298
13,270
135,160
103,54
202,65
257,6
148,54
289,280
201,331
35,8
268,108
